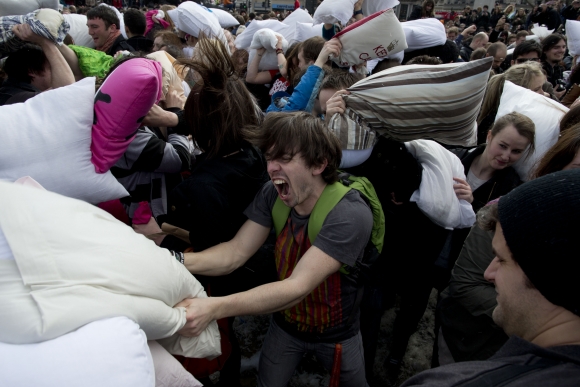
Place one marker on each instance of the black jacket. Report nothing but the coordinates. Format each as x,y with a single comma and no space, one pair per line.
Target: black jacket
141,43
465,53
119,44
553,73
502,182
13,91
210,203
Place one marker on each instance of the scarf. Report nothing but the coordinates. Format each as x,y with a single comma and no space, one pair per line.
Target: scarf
109,43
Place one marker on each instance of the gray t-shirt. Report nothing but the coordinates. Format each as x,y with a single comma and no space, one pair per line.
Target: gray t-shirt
344,235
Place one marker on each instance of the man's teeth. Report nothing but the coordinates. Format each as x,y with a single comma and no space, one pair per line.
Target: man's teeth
278,181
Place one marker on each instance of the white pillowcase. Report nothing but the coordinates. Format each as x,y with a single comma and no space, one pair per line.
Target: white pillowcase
306,31
225,18
573,34
546,115
78,30
245,38
298,16
370,7
109,352
192,19
52,145
423,33
436,197
266,38
332,11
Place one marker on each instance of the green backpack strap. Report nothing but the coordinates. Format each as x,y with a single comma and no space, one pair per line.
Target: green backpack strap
280,213
329,198
332,194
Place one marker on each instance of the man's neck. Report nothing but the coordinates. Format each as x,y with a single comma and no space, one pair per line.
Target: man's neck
561,327
306,207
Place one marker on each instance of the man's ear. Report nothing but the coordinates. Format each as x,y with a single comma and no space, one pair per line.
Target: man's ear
127,30
317,170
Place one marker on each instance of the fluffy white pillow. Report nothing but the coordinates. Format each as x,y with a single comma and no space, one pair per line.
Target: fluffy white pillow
79,30
22,7
52,145
332,11
370,7
192,18
109,352
225,18
423,33
546,115
541,31
306,31
573,34
298,16
84,266
436,197
376,36
267,39
245,38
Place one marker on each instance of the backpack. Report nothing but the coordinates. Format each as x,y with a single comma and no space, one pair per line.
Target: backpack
332,194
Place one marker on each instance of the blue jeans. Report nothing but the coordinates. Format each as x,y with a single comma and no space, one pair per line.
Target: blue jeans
282,352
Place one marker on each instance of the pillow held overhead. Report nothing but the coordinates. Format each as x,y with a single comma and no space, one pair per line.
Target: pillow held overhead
22,7
573,34
375,36
423,102
121,103
40,140
332,11
424,33
245,38
225,19
544,112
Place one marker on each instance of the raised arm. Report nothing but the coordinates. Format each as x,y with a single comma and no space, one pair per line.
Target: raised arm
61,73
254,76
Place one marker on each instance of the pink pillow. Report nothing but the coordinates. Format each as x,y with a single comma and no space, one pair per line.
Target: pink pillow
121,103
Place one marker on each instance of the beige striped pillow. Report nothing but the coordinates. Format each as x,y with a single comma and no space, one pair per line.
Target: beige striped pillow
418,102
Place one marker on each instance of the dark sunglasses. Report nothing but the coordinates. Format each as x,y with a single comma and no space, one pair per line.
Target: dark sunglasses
524,60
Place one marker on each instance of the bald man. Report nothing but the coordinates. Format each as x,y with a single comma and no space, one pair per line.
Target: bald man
479,40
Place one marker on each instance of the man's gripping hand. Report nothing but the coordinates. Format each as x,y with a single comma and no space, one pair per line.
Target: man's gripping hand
199,313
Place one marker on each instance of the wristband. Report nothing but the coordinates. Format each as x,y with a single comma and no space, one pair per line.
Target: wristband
279,51
179,256
359,12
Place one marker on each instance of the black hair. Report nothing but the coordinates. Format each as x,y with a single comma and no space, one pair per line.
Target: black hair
135,22
549,42
525,48
106,14
28,60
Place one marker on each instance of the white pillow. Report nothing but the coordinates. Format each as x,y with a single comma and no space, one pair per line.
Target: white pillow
370,7
84,266
168,371
372,37
573,34
40,140
269,60
109,352
423,33
225,18
306,31
540,31
332,11
192,19
436,197
546,115
266,38
298,16
79,30
22,7
245,38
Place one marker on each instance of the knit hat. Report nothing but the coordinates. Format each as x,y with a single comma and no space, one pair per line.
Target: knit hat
541,225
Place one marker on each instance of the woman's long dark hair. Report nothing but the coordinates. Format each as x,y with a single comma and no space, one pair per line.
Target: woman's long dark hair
219,106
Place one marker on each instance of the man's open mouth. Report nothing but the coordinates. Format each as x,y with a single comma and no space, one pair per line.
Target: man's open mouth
282,187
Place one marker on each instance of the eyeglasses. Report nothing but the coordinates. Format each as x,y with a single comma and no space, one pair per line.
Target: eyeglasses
524,60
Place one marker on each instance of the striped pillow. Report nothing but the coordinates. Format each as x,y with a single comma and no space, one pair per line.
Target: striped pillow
420,102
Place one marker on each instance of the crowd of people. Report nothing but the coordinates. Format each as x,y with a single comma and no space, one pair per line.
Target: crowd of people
234,150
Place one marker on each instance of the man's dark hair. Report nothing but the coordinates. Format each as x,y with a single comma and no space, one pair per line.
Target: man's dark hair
525,48
283,135
252,16
385,64
28,60
338,80
550,41
135,22
448,52
106,14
